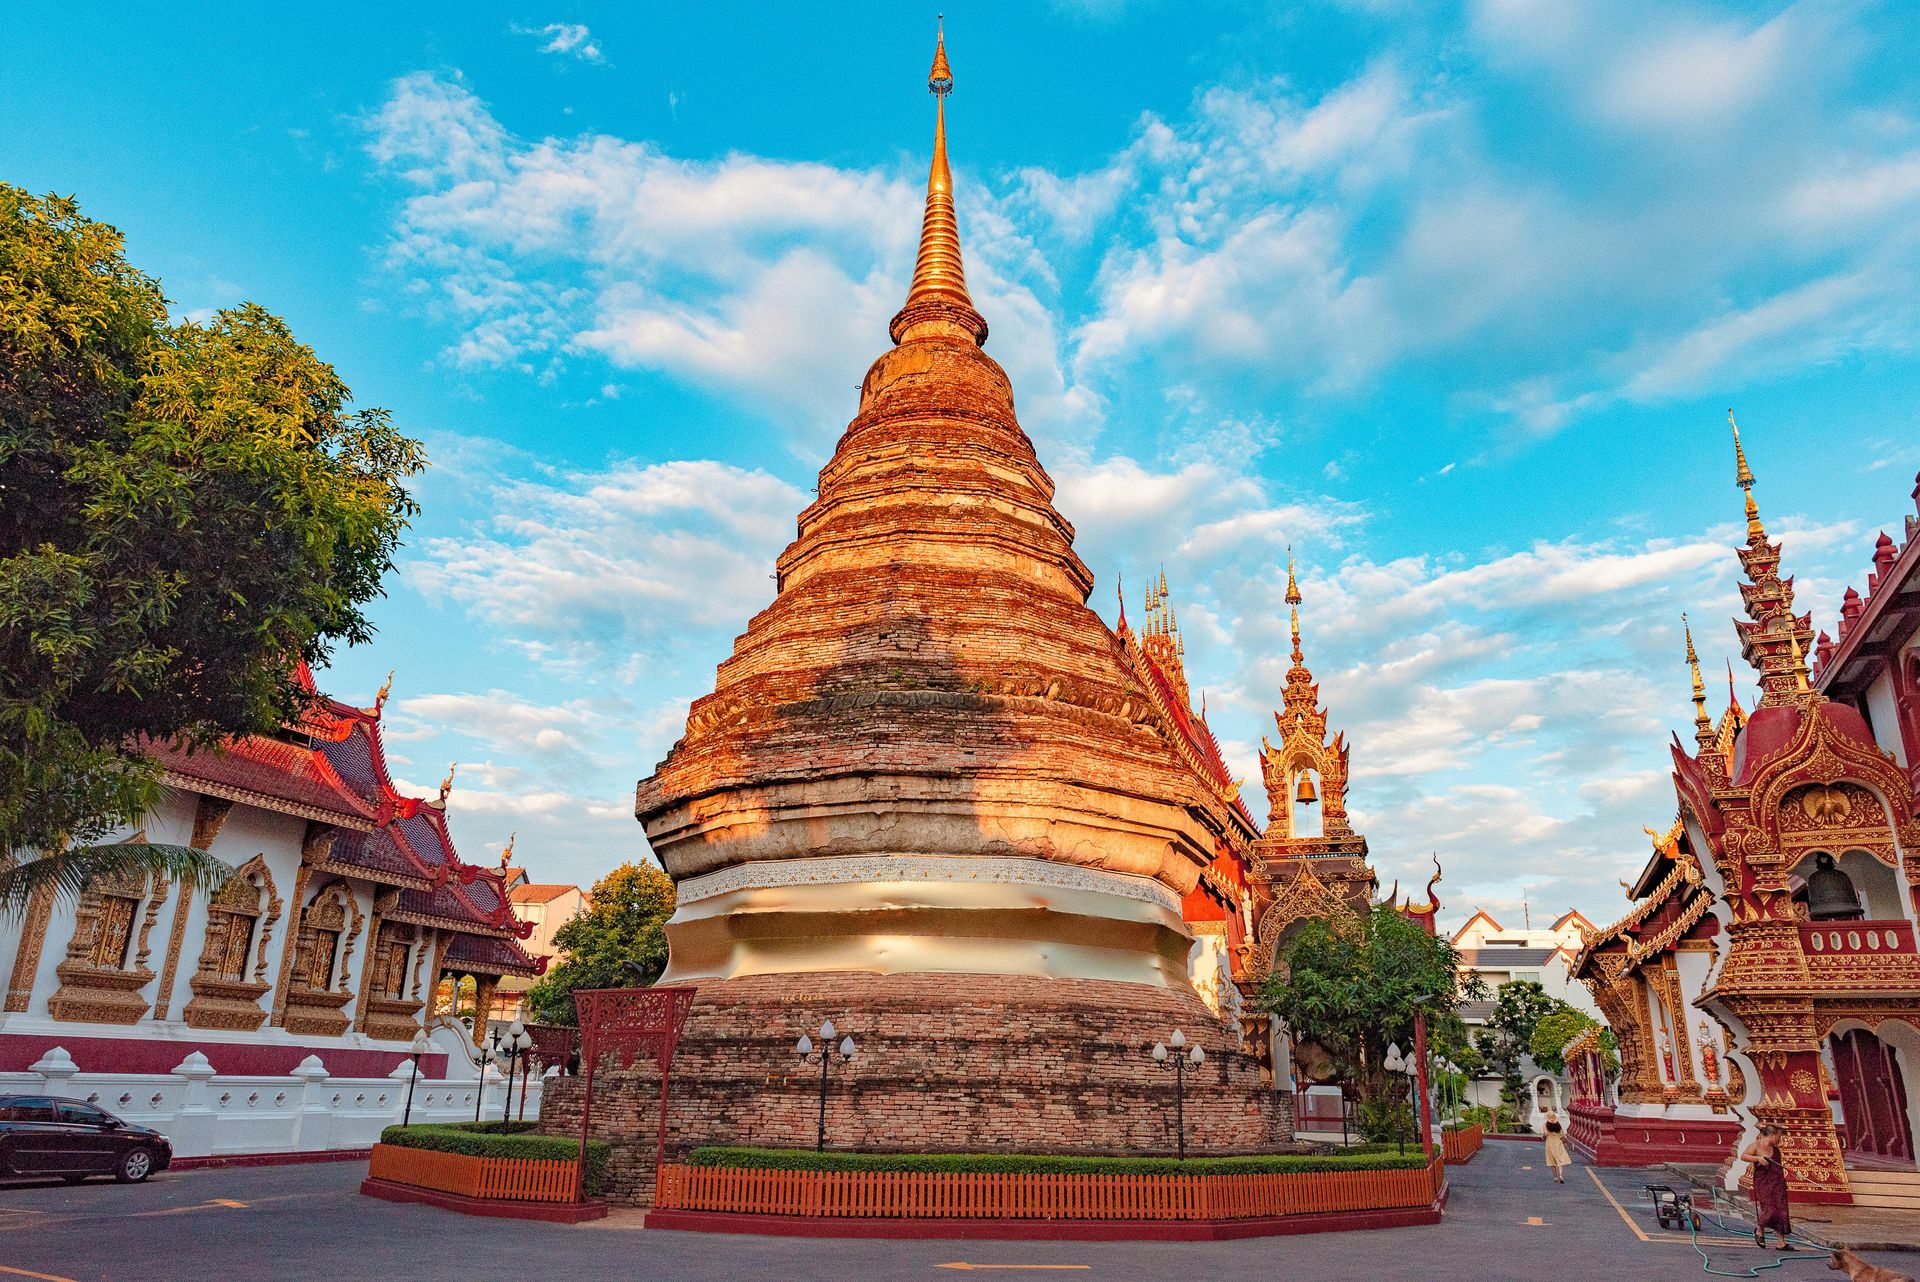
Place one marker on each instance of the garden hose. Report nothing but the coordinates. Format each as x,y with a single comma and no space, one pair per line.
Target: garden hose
1817,1251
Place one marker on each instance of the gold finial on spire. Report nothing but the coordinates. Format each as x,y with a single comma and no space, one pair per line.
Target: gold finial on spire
386,688
1702,723
446,785
937,301
1293,606
940,79
1743,477
506,856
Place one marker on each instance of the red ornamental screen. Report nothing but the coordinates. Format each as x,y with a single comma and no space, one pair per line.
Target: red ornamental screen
618,1025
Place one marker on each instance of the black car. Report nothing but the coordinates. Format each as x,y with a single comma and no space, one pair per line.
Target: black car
43,1135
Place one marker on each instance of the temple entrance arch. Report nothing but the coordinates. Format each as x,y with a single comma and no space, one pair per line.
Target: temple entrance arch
1875,1103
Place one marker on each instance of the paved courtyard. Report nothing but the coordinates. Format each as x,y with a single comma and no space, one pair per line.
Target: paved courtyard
1507,1220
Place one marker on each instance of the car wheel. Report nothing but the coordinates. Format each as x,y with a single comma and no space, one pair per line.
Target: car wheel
136,1164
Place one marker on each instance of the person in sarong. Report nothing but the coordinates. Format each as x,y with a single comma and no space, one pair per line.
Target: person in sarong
1558,1159
1769,1187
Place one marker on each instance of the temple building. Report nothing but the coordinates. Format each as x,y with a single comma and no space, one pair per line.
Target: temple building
934,797
324,949
1768,972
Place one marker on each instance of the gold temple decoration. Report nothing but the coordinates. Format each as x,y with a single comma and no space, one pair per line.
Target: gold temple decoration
1743,477
1702,723
938,303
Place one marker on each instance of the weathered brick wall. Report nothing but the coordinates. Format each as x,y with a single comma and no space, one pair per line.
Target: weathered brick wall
954,1063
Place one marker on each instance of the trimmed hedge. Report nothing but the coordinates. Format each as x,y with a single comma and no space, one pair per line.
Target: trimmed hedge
503,1139
771,1159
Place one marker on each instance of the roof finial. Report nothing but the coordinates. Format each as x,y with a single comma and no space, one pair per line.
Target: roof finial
446,785
937,301
1120,591
386,688
1743,477
506,856
1293,604
1702,724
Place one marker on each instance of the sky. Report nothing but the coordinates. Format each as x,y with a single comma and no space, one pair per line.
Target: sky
1451,298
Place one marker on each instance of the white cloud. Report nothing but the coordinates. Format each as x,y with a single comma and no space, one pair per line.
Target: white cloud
567,39
597,561
769,281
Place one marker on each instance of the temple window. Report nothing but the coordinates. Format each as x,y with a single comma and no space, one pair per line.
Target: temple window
113,931
319,951
233,918
391,955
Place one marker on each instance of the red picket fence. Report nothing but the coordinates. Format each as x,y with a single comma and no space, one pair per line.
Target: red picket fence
1460,1145
892,1194
512,1179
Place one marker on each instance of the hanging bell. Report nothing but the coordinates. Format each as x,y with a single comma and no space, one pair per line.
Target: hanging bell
1305,795
1830,892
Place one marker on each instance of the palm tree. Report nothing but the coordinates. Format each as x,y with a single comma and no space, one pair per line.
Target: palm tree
70,872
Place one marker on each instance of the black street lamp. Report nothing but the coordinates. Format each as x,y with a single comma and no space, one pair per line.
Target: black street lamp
804,1048
1409,1066
421,1045
1179,1063
485,1057
512,1050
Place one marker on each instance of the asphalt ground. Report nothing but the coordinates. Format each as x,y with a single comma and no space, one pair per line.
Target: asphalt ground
1506,1220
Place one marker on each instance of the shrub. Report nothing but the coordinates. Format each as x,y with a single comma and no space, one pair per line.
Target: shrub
502,1139
1360,1158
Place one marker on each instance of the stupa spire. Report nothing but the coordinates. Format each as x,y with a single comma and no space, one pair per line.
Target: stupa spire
938,304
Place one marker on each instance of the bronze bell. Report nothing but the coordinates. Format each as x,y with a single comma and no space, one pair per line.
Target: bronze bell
1830,892
1305,795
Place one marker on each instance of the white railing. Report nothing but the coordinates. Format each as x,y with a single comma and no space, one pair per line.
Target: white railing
206,1114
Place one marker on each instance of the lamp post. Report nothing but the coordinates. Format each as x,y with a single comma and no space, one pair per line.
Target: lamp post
421,1045
485,1055
1173,1059
1394,1064
804,1048
513,1048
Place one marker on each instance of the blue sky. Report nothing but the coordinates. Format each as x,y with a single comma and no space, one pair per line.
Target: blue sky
1451,297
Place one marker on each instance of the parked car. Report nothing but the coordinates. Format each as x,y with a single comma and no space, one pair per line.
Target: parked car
43,1135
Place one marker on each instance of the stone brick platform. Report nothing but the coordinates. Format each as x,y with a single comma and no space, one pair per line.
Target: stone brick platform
945,1063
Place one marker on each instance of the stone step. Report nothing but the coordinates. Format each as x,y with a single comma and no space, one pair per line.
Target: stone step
1889,1180
1887,1201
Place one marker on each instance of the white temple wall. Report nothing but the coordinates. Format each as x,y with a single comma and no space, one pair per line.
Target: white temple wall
205,1114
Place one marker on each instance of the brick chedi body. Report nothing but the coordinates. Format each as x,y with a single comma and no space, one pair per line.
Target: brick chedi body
930,799
928,754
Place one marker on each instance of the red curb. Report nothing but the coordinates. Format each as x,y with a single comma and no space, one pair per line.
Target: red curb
551,1212
1047,1230
269,1159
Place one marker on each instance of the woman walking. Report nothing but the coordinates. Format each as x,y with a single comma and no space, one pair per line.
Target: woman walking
1557,1156
1769,1187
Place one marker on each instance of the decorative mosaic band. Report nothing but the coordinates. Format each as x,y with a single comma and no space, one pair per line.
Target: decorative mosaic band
862,869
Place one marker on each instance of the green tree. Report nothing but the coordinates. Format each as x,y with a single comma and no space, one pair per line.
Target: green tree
1518,1007
1355,984
1558,1027
620,941
185,510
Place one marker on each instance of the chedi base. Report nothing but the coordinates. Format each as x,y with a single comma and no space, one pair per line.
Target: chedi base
945,1063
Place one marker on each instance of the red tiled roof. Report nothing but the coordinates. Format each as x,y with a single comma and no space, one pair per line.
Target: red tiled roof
271,768
538,893
494,956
